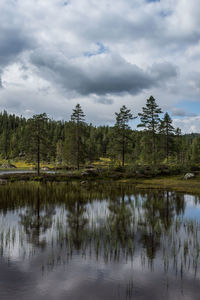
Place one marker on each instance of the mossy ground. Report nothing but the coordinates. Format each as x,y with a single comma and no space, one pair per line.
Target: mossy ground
177,183
23,165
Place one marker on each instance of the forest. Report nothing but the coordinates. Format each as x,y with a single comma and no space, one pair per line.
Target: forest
75,143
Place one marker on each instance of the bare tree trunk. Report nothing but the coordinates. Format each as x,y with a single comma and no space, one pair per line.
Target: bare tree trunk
38,156
153,143
78,146
123,151
167,147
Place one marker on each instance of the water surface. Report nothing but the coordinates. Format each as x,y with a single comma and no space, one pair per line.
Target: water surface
100,241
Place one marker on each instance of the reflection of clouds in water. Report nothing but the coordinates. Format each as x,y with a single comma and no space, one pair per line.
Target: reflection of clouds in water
97,212
190,200
81,278
55,273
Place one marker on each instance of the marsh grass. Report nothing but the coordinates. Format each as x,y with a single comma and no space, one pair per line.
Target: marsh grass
176,183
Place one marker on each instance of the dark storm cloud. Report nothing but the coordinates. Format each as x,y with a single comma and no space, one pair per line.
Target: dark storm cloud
163,71
12,42
107,74
104,101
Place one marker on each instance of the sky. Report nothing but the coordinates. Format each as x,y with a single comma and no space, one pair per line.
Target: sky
101,54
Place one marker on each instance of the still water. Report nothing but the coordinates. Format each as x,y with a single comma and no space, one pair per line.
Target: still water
99,241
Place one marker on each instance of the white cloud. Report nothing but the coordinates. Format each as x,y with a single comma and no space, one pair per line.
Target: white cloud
189,124
99,53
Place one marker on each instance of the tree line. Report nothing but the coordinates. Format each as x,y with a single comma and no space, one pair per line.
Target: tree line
75,142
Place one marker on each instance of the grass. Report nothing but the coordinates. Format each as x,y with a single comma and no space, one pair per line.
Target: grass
102,162
176,183
23,165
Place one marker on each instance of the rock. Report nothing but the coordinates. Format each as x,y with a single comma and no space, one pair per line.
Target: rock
4,166
83,182
84,174
45,168
3,181
21,154
90,172
189,176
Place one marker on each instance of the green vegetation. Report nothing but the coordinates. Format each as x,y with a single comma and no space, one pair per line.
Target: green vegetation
157,150
150,120
37,137
175,183
122,131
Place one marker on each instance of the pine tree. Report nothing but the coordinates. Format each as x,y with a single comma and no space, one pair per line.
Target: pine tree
167,130
38,136
150,120
122,129
78,119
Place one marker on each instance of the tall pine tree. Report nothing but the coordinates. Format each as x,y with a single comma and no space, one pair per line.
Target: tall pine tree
150,121
167,130
122,130
78,119
38,136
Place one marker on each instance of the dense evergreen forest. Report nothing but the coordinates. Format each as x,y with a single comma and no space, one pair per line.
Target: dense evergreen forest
74,142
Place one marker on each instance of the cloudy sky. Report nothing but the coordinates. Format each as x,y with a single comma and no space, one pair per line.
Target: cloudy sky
102,54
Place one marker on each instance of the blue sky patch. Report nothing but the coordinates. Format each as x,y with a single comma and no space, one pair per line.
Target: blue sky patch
100,49
190,107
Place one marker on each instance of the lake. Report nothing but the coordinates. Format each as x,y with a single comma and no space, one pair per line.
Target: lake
98,241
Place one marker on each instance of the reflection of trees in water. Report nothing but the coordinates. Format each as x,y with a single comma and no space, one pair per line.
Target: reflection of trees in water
173,205
36,220
160,210
151,229
120,220
146,222
76,221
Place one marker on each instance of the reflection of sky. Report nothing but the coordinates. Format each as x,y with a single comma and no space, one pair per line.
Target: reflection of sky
85,279
83,276
192,213
192,210
97,213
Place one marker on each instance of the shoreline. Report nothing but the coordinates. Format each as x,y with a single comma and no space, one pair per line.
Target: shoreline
173,182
